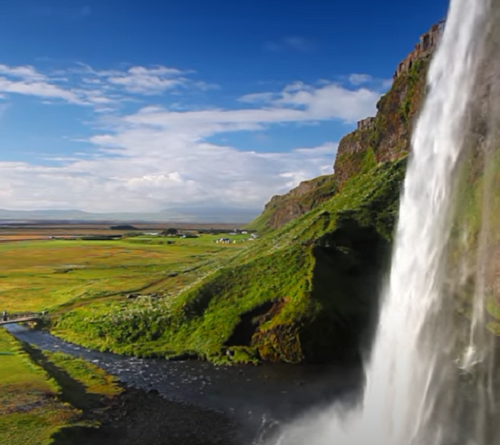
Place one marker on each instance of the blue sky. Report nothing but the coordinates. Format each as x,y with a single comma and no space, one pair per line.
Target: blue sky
138,106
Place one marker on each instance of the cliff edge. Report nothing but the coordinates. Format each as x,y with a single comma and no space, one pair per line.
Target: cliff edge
384,137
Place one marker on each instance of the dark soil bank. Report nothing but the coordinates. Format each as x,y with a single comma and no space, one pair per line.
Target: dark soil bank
137,417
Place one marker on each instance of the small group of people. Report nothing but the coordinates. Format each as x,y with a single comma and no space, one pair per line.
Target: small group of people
5,316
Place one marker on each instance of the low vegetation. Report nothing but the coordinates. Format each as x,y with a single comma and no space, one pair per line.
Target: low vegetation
298,294
42,393
45,275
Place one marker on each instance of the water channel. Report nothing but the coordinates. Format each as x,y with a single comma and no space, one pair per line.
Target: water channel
258,397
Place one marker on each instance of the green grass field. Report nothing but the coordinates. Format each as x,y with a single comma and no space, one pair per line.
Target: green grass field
40,393
43,275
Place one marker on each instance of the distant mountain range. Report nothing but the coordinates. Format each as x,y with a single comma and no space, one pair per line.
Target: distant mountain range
193,214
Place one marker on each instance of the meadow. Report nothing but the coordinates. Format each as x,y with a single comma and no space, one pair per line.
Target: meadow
53,274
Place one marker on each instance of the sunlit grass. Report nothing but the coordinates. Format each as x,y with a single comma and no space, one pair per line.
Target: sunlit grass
41,392
29,410
40,275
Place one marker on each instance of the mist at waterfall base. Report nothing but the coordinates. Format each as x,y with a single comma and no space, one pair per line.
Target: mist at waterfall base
429,377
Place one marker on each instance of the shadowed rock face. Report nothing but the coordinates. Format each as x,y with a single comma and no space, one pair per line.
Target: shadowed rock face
344,286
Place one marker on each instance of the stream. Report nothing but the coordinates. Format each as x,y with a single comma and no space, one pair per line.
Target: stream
258,397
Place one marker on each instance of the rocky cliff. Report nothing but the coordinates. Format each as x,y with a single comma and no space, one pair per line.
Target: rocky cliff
284,208
384,137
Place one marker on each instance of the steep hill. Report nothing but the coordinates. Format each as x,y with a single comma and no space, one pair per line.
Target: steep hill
307,290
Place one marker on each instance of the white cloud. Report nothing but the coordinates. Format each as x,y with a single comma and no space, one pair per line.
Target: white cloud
24,72
141,80
360,79
157,169
148,81
85,86
158,157
38,88
27,81
143,167
255,98
332,101
367,80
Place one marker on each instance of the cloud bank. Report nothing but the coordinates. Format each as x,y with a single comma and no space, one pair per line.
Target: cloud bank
156,156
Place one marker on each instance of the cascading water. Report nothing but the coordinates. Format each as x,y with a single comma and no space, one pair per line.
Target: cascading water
419,389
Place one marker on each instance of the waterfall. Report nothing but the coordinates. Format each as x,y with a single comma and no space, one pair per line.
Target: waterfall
418,388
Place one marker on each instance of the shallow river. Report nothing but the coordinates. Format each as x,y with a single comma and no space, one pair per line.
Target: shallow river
258,396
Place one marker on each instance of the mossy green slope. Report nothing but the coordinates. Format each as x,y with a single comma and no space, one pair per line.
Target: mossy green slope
301,293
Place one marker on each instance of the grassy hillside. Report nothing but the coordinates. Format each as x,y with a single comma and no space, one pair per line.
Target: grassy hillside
304,292
301,293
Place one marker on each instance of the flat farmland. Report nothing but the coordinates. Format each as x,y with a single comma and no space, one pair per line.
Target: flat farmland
38,275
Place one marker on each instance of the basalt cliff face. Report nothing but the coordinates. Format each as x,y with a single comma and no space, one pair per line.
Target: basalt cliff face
384,137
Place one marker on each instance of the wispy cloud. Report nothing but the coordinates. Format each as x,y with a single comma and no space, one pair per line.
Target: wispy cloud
27,81
39,88
293,43
258,98
24,72
149,81
367,80
82,85
360,79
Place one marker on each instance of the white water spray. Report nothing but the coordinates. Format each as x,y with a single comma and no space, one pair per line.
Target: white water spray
411,396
